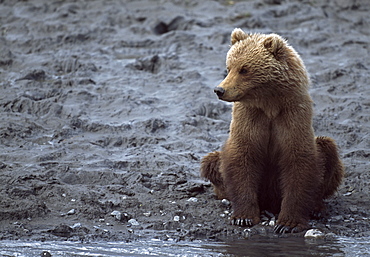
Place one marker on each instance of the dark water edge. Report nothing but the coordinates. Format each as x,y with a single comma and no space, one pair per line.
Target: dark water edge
343,246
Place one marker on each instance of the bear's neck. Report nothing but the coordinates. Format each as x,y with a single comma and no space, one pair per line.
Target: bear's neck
268,108
273,106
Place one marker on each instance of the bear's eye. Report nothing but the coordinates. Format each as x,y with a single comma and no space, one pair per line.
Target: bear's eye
243,71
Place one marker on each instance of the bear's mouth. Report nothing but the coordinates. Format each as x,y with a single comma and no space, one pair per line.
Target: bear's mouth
230,99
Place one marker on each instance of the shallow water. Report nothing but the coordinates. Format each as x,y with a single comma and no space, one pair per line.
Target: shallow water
251,247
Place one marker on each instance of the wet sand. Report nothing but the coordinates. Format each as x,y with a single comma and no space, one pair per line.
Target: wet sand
107,108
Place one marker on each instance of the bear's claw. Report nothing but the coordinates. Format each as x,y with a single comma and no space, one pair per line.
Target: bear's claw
281,229
242,222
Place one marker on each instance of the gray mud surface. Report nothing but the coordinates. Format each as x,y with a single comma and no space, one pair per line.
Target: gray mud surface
107,107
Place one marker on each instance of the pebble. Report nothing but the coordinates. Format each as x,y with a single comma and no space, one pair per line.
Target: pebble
247,233
193,199
133,222
272,223
117,215
45,254
314,233
120,216
101,229
76,225
176,218
225,202
71,212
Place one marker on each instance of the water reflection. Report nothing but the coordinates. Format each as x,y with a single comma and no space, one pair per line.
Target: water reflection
250,247
283,247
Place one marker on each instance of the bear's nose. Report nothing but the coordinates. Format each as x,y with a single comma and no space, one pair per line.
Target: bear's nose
219,91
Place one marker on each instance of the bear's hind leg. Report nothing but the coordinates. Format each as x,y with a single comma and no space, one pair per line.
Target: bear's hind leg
210,169
333,166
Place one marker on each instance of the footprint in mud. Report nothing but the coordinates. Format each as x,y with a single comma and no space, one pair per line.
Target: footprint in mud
153,125
37,75
177,23
150,64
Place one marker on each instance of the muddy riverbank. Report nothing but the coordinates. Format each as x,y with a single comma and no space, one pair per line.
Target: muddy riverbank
107,108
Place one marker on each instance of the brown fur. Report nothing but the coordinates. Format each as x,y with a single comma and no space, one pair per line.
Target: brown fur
271,160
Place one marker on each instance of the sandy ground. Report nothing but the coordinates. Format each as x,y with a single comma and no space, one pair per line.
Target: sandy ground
106,108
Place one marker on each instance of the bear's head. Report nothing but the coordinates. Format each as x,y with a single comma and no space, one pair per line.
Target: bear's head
261,67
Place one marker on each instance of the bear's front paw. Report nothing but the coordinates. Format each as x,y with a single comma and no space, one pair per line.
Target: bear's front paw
288,227
244,222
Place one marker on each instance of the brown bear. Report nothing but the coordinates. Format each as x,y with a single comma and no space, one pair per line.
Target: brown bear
271,160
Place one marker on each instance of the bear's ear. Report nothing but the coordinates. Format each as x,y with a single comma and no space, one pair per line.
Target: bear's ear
237,35
275,45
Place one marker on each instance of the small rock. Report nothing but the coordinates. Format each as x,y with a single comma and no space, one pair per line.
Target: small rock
247,233
314,233
120,216
147,214
71,212
176,218
133,222
193,199
272,223
225,202
76,225
160,28
45,254
117,215
61,230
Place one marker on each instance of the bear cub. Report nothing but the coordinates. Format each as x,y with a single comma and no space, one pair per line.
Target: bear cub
272,160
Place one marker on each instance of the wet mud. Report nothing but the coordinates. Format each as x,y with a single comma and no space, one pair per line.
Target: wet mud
107,107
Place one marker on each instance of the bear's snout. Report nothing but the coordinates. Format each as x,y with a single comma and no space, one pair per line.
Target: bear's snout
219,91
